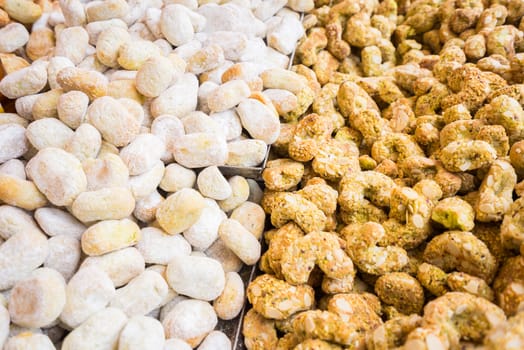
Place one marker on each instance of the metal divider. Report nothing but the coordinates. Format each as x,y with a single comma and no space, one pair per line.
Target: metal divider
248,273
233,328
